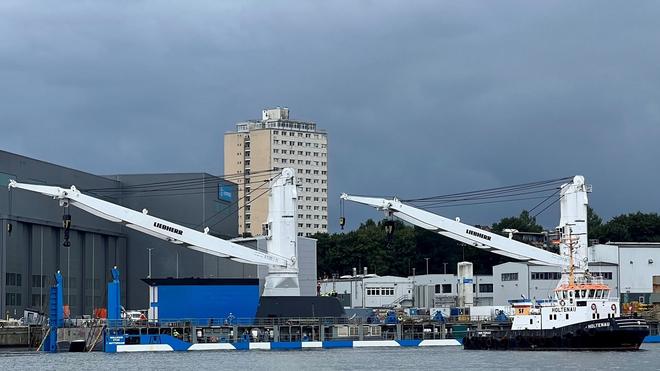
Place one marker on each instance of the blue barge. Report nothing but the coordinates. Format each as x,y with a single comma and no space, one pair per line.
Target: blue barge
271,334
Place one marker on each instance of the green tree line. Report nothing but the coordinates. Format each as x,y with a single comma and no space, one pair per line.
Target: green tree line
633,227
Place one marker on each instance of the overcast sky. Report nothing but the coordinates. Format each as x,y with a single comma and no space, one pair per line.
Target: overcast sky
419,97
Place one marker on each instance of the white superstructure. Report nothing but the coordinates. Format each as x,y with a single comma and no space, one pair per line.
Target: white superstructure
573,203
283,280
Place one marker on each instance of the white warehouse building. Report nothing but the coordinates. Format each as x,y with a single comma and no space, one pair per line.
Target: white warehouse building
424,291
627,267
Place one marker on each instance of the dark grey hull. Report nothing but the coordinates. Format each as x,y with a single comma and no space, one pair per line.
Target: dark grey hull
621,333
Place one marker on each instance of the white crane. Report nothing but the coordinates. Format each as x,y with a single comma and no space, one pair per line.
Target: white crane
281,255
573,211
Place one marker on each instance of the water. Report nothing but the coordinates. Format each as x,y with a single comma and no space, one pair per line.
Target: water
336,359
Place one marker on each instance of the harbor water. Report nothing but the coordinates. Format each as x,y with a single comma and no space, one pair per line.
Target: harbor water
336,359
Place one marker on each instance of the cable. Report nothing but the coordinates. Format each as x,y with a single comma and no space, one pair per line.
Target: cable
550,204
483,203
540,203
238,209
237,201
488,197
491,191
182,182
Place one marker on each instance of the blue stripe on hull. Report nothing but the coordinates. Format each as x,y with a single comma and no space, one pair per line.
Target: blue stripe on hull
338,344
652,339
286,345
409,343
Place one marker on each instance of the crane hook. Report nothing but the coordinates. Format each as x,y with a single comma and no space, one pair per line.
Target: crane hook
66,224
342,219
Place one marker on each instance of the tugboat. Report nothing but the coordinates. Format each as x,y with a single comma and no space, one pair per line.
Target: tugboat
581,316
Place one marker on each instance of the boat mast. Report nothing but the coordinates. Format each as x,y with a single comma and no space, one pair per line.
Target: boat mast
571,265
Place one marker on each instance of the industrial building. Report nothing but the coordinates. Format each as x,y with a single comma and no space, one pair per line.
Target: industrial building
424,291
273,143
628,268
31,249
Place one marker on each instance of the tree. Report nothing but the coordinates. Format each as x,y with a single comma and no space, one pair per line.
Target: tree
523,223
633,227
368,246
594,224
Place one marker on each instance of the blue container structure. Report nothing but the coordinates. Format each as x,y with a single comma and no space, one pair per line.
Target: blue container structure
202,299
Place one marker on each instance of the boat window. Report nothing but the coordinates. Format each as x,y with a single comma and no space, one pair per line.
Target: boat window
563,293
531,321
583,294
606,293
550,316
599,294
570,294
566,315
591,293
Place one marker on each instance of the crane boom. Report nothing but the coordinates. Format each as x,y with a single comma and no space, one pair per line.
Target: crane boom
160,228
456,230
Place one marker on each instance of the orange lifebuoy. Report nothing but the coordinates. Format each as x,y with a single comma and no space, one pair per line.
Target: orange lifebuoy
593,306
614,307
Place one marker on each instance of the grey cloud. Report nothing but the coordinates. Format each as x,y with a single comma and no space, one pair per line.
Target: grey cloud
419,98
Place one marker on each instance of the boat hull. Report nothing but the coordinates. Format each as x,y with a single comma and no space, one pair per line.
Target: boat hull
605,334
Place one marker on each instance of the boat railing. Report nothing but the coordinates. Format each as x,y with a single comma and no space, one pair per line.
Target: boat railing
273,329
233,321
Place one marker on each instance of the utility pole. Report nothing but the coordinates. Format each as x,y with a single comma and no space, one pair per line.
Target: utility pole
149,248
427,265
413,287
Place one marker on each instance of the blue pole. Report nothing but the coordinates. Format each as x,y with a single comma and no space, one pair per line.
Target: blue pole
114,300
56,311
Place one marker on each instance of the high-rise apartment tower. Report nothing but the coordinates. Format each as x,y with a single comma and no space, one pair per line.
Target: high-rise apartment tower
273,143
